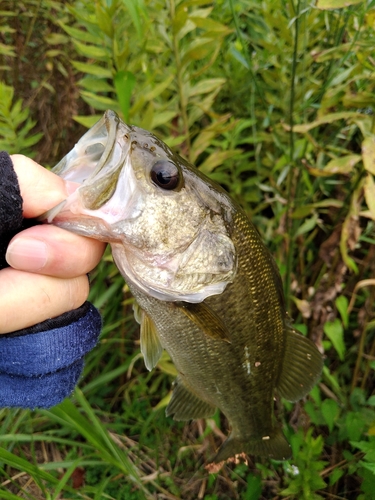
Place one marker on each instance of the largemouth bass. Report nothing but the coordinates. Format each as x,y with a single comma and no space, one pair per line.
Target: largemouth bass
206,287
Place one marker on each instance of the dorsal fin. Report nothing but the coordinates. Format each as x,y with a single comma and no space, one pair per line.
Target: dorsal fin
302,366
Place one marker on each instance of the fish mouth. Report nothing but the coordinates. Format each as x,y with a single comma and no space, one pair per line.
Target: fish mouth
92,171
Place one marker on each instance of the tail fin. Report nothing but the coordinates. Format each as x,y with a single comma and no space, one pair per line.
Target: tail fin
273,446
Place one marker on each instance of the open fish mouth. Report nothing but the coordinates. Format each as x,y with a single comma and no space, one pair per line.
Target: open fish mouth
96,163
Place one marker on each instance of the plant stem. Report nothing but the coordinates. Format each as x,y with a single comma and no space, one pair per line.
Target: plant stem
290,195
30,30
182,97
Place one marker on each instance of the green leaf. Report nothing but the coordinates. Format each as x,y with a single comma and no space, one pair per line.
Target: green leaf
308,225
159,88
210,25
137,11
342,165
335,333
330,411
369,190
104,20
217,158
92,51
124,84
54,53
329,118
94,84
239,57
336,4
368,154
335,476
56,39
198,49
6,495
23,465
369,466
364,446
207,85
162,118
7,50
92,69
79,34
354,425
180,19
254,487
342,306
87,121
99,102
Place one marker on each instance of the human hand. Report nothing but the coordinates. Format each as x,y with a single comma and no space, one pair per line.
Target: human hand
48,269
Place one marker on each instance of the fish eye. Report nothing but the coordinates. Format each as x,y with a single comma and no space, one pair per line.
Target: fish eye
166,175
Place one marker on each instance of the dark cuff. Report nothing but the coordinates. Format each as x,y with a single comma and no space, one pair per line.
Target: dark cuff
42,391
40,366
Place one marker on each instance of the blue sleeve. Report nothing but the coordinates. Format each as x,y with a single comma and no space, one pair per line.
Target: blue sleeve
40,365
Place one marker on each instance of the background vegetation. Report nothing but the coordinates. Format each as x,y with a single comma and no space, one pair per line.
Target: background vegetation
275,100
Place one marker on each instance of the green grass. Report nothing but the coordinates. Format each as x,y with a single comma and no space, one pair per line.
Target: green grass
275,100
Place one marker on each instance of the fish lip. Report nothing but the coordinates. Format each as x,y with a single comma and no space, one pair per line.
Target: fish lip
112,134
89,170
107,124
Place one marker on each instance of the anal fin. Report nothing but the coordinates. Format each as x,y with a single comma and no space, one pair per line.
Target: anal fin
301,368
185,405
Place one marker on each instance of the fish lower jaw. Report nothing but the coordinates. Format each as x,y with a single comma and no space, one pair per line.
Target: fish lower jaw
84,226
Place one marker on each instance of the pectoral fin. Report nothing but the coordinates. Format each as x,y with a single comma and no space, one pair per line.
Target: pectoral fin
301,368
185,405
151,347
206,319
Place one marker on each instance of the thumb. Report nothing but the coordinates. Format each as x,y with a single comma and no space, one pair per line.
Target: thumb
40,188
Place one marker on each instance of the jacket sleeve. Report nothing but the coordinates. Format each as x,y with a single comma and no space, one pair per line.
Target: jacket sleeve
40,365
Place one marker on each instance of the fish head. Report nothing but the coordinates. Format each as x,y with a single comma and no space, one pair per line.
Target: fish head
169,227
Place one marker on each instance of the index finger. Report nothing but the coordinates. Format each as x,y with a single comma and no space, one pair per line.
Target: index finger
40,188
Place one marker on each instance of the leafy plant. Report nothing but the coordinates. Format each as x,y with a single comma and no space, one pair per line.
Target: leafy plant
304,476
15,124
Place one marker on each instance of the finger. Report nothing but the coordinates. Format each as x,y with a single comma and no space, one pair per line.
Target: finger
28,299
40,188
53,251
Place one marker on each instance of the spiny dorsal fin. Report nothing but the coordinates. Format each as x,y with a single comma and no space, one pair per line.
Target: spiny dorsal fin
206,319
185,405
302,366
151,347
